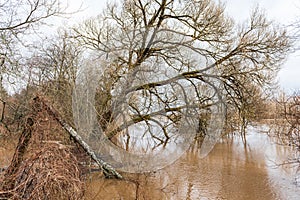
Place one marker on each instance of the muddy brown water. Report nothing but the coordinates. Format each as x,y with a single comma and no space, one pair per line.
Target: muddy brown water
232,171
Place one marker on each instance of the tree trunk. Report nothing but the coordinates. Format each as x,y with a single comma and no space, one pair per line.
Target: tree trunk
108,170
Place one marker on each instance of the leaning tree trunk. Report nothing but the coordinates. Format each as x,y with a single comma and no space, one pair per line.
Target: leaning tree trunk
108,170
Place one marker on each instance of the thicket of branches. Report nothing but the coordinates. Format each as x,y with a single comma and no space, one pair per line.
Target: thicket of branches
159,61
287,120
20,22
163,50
163,57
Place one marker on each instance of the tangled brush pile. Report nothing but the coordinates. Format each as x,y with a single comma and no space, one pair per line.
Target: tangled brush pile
49,173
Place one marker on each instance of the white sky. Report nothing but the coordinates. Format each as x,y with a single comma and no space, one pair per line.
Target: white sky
283,11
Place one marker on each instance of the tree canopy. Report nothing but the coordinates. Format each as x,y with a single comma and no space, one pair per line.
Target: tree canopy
160,70
162,61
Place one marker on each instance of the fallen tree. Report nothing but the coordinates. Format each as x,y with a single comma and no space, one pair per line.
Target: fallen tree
108,170
44,165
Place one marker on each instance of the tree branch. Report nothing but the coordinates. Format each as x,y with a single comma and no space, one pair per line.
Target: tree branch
107,168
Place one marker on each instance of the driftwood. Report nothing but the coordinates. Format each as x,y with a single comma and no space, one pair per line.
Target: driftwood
108,170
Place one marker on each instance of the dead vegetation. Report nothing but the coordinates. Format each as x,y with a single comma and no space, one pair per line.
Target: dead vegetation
46,161
49,173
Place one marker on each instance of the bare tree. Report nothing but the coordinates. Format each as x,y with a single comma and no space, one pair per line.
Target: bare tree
19,23
52,70
286,126
163,57
19,19
56,61
288,111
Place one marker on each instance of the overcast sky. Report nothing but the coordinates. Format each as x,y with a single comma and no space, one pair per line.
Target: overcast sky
283,11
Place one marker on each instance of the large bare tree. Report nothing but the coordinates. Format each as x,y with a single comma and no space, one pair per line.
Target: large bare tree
165,59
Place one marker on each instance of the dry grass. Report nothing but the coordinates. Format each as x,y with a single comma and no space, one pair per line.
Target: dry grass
49,173
49,168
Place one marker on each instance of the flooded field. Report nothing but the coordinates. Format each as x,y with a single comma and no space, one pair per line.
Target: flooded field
231,171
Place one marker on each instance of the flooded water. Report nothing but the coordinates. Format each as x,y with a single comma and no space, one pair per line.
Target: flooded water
231,171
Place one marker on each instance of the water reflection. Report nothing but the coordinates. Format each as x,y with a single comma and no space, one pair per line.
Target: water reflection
233,170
